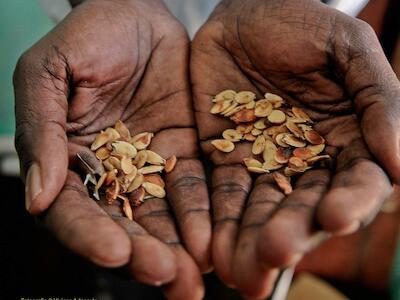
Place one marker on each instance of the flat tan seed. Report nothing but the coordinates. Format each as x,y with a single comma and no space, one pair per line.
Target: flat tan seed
249,137
296,120
126,207
280,140
140,159
115,162
136,183
244,116
170,164
282,155
303,153
263,108
136,197
283,182
220,106
131,176
121,148
293,141
232,135
269,151
155,179
316,149
277,117
313,137
305,127
319,158
108,165
100,140
260,124
257,170
256,132
250,105
275,100
111,176
150,169
272,165
225,95
276,129
223,145
154,158
252,162
258,145
102,153
243,129
126,165
122,130
297,163
230,108
113,133
142,140
245,97
154,189
293,128
113,191
299,113
233,111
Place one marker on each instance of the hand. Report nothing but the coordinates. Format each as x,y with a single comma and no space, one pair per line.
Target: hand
333,67
111,60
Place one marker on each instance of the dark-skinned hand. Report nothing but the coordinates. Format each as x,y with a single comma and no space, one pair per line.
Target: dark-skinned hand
333,67
111,60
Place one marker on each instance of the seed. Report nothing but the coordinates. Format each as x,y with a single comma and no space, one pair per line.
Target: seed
303,153
108,165
296,120
230,112
260,124
316,159
250,105
126,207
155,179
249,137
121,148
101,181
220,106
293,128
136,183
243,129
257,170
305,127
263,108
223,145
275,100
293,141
140,159
122,130
136,197
271,165
112,192
154,159
283,182
170,164
252,162
244,97
313,137
100,140
299,113
225,95
277,117
113,133
244,116
126,165
280,140
150,169
269,151
142,140
102,153
256,132
232,135
131,176
282,155
259,145
276,129
316,149
115,162
111,176
154,189
230,108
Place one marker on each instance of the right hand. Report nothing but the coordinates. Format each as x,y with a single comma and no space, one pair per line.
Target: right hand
111,60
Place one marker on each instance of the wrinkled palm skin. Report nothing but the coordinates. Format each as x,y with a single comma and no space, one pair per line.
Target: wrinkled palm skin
332,66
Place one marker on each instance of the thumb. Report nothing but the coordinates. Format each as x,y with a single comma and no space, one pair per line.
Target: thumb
41,141
376,91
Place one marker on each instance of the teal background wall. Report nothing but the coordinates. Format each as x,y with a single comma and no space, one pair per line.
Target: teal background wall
22,23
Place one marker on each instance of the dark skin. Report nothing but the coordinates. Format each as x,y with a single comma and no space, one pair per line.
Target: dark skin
111,60
333,67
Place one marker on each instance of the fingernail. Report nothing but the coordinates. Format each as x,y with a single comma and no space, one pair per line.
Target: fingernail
33,185
353,227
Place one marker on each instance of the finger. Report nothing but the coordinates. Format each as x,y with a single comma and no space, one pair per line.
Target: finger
376,91
154,215
231,185
357,192
40,106
188,196
152,262
82,226
252,278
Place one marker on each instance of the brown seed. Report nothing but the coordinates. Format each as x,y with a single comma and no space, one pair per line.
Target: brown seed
111,176
271,165
280,139
150,169
282,155
303,153
243,129
252,162
126,207
136,197
244,116
256,132
121,148
293,141
244,97
299,113
113,133
313,137
297,164
277,117
316,149
223,145
155,179
154,158
249,137
260,124
136,183
170,164
257,170
142,140
126,165
293,128
220,106
100,140
283,182
122,130
102,153
275,100
276,129
258,145
225,95
154,189
263,108
140,159
112,192
232,135
269,151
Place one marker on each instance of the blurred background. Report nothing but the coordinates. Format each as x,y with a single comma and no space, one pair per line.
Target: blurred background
34,265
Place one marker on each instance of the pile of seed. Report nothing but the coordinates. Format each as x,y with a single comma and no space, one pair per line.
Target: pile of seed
129,172
283,137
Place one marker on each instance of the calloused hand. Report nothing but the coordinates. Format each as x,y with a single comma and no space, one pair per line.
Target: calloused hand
111,60
333,67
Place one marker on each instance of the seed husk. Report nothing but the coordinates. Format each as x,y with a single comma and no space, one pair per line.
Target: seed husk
232,135
136,197
275,100
223,145
170,164
272,165
111,177
252,162
256,132
293,141
243,129
126,165
154,158
244,97
142,140
225,95
154,189
276,117
113,133
282,155
220,106
115,162
283,182
244,116
303,153
313,137
280,140
136,183
155,179
150,169
299,113
249,137
269,151
257,170
100,140
140,159
259,145
126,207
122,130
316,149
102,153
230,109
263,108
293,128
122,148
260,124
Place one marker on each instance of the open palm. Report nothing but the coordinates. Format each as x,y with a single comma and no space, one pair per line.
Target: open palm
333,67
